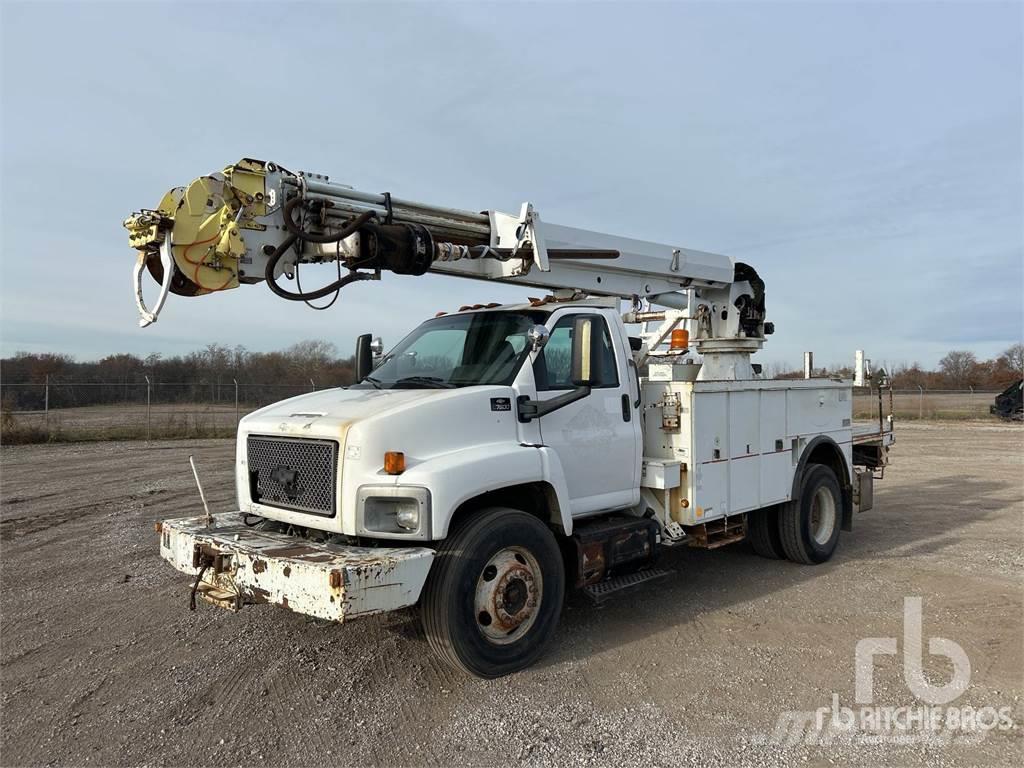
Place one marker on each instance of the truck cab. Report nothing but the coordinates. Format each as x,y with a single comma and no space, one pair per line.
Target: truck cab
453,399
523,416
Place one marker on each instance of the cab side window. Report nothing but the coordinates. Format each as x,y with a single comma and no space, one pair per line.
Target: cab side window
553,367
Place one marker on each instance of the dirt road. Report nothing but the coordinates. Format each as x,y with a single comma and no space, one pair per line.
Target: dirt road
102,664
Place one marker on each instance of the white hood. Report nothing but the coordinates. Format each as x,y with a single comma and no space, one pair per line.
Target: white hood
424,424
346,405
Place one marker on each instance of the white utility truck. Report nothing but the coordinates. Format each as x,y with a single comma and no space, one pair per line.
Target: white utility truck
499,455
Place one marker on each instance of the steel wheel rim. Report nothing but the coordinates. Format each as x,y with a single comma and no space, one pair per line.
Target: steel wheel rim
509,591
823,515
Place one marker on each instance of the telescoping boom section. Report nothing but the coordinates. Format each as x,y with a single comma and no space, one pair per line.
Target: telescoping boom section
256,221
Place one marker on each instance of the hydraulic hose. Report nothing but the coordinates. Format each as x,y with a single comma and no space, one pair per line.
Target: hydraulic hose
207,562
297,233
331,237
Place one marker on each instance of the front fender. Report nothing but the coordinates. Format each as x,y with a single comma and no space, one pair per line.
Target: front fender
555,477
459,476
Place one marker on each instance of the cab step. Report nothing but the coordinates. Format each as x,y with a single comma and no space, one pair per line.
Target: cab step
603,590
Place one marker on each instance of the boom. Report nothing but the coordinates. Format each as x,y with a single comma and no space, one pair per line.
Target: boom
256,221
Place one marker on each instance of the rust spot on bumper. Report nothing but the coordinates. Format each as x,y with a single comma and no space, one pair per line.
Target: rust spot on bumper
300,552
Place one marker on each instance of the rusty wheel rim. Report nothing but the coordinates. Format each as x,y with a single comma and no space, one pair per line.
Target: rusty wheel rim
508,595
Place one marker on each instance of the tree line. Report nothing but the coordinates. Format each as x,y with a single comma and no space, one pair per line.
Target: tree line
208,375
958,369
205,375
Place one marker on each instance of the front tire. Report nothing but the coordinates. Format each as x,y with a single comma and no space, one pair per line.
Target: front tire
809,525
494,593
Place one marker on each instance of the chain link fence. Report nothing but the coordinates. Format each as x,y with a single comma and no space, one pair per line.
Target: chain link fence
921,403
80,411
57,411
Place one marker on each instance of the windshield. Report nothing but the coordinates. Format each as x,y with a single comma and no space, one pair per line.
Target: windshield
458,351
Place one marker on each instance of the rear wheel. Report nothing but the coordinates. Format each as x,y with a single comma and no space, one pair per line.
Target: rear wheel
809,525
763,533
494,594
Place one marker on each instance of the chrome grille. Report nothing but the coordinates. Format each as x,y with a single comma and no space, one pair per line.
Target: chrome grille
293,474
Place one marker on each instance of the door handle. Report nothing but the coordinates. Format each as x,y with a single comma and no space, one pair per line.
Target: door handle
636,374
627,410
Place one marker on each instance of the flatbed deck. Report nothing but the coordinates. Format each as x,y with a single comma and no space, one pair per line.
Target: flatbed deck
872,433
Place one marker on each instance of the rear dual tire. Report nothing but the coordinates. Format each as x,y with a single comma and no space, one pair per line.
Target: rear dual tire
809,525
805,530
763,533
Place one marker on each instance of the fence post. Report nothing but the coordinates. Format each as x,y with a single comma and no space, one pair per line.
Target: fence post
920,402
149,410
46,406
312,385
236,403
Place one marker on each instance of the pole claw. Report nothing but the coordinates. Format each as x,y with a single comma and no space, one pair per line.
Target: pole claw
147,317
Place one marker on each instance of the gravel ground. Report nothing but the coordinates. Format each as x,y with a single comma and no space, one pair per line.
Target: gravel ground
101,663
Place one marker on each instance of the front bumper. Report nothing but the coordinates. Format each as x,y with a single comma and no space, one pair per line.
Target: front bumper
329,581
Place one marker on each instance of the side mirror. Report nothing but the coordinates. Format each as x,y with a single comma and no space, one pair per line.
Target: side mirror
585,360
538,336
364,356
377,347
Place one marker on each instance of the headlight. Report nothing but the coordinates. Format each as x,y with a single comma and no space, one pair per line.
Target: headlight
397,510
382,514
407,514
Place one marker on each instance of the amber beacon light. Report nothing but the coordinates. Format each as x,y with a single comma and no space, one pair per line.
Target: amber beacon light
680,339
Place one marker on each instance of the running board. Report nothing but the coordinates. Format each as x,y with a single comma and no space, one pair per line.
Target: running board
603,590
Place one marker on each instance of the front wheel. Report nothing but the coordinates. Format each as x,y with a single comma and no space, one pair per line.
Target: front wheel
494,594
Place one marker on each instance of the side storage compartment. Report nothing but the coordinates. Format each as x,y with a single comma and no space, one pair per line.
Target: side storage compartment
738,445
749,437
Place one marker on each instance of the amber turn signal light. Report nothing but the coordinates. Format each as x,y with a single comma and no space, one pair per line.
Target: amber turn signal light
394,462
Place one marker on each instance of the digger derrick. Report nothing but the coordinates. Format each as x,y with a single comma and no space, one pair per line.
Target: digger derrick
556,441
255,221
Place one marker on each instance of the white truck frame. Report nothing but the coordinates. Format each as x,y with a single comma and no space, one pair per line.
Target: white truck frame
534,448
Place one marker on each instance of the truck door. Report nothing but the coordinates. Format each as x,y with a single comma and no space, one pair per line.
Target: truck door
597,439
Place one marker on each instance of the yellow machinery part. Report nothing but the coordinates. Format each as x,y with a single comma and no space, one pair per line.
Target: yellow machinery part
206,221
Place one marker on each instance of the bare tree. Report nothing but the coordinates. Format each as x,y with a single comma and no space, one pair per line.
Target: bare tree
777,370
958,366
310,358
1013,358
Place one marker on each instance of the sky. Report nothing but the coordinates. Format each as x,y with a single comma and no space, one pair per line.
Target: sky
865,158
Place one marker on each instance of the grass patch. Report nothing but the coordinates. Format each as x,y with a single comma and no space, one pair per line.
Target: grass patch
172,427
